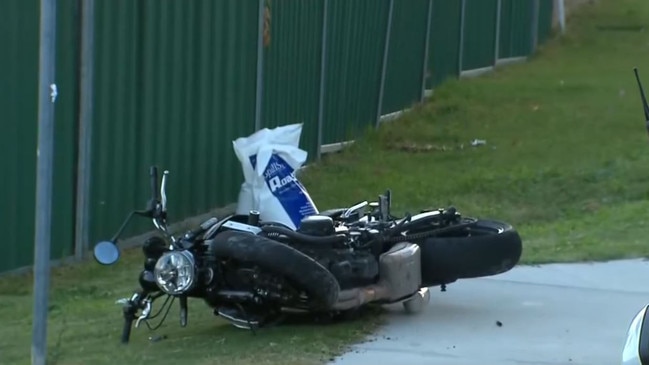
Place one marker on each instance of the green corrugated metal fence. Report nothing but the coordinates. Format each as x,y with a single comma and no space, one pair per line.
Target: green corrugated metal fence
176,81
19,105
18,102
479,46
515,28
355,41
444,42
65,132
406,55
545,19
175,84
292,52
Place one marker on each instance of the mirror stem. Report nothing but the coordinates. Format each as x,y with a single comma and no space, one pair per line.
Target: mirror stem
122,227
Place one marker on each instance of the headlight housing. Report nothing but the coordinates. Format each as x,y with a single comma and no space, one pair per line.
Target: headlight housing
175,272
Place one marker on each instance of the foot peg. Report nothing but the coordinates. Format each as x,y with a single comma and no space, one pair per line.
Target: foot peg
237,318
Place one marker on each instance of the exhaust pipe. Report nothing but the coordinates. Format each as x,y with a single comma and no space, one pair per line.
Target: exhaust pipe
400,270
352,298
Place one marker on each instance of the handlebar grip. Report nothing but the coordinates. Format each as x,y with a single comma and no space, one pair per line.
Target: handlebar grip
153,174
129,316
126,331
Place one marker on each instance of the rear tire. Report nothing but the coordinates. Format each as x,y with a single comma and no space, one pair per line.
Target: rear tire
487,248
304,272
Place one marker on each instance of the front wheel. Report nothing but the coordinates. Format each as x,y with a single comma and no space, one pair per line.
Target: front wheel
301,271
485,248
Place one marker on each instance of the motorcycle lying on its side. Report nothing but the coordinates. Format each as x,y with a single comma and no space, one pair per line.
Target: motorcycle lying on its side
252,273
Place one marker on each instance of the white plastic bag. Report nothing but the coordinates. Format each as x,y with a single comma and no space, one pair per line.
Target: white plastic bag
244,147
269,159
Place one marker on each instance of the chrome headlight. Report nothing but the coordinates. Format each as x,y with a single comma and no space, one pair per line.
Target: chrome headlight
175,272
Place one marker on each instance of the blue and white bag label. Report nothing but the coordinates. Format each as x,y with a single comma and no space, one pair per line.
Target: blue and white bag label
286,188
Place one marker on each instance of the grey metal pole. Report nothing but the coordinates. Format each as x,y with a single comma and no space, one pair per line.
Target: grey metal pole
323,74
461,50
535,24
44,155
86,110
260,66
384,66
497,42
561,9
424,73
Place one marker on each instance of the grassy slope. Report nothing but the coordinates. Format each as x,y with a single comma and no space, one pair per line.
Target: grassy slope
566,161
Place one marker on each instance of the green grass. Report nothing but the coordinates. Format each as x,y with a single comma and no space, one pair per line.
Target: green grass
566,161
85,326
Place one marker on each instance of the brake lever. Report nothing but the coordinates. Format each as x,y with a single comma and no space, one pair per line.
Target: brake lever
347,213
163,191
145,313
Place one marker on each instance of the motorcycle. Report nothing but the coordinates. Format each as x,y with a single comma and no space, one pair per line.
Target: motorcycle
636,347
254,273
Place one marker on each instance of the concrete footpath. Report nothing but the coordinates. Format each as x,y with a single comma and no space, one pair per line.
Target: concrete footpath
532,315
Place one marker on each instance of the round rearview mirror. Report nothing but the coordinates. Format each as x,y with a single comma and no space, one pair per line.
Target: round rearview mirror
106,253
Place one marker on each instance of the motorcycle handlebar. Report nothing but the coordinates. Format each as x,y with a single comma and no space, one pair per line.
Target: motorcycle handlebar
126,331
129,316
153,174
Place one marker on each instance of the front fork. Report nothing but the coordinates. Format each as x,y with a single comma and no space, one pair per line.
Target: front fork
144,301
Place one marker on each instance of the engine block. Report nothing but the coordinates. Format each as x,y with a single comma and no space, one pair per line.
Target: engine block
351,268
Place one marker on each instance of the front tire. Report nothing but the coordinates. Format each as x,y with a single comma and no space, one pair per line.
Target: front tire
301,270
486,248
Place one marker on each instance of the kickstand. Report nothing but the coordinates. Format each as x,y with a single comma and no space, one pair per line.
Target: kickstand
443,287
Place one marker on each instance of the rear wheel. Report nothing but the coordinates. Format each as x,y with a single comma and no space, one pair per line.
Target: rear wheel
485,248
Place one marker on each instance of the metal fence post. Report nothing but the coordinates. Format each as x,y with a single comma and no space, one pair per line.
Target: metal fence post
426,50
461,47
84,172
323,72
535,24
45,158
384,65
260,65
561,9
497,42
